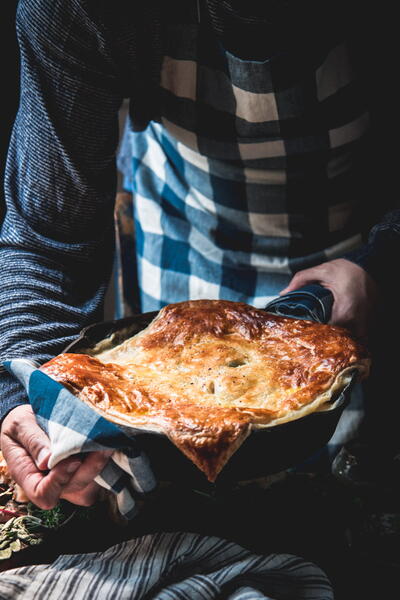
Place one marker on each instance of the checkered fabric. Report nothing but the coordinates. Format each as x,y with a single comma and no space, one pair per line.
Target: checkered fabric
73,428
250,174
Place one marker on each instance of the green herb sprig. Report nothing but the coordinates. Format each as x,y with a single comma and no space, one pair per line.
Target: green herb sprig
51,519
17,532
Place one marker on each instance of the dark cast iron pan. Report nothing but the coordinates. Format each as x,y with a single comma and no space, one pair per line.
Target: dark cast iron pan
264,452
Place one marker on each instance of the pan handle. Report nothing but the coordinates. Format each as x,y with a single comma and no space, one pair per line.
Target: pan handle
312,302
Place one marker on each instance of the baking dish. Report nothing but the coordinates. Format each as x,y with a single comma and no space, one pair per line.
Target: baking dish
266,451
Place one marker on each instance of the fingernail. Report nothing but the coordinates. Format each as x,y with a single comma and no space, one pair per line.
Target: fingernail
72,467
42,456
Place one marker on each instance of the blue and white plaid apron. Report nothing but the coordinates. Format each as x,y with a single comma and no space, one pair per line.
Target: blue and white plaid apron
249,175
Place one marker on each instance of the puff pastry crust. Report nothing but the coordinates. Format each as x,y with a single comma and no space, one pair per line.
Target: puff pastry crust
205,372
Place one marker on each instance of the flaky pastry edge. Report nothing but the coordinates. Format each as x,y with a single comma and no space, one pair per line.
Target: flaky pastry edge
322,403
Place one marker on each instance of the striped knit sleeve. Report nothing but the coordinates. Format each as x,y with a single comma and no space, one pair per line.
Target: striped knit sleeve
382,252
56,243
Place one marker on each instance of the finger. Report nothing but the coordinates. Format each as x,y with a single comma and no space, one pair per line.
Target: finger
25,431
21,465
85,497
50,488
92,465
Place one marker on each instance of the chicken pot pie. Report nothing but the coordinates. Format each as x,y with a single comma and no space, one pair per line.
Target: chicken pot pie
205,372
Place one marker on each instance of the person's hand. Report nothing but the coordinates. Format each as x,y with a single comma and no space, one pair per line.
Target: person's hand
354,292
26,449
81,488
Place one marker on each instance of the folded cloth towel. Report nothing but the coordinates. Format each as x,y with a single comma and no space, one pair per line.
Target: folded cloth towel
312,302
170,566
73,428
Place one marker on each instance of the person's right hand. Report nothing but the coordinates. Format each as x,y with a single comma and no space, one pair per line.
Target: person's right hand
26,449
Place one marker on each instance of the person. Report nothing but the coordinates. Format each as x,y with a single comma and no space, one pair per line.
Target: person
249,155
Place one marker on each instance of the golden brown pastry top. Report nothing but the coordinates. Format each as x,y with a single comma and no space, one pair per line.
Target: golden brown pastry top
204,372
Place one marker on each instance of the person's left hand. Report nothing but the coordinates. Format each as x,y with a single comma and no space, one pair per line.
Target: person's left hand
355,293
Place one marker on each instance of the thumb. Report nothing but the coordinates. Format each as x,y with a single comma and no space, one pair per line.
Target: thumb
299,279
34,439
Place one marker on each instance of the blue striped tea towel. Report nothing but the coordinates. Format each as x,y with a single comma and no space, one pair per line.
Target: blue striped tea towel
169,566
74,427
